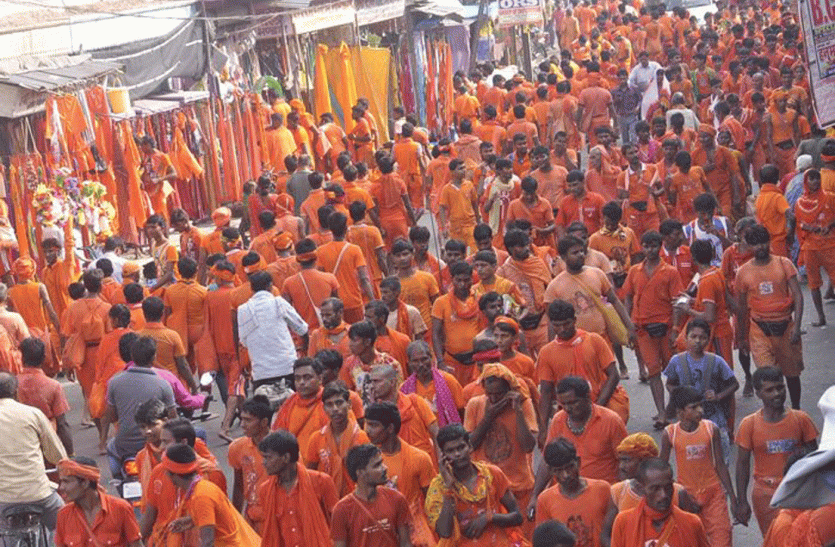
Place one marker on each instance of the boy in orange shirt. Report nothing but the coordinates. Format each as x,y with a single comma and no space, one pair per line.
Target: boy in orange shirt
184,302
458,206
772,210
584,504
772,435
245,459
701,466
455,323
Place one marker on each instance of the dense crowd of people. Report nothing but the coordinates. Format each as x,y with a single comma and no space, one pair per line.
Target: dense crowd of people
380,394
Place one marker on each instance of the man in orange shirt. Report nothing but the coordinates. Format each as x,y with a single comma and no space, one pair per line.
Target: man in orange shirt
575,352
297,502
721,169
411,164
594,430
409,469
465,107
769,294
455,323
329,446
503,428
280,142
773,434
468,146
594,105
34,388
772,210
245,460
458,205
402,317
815,214
346,262
531,276
521,126
781,132
31,300
649,291
59,272
579,204
303,413
388,340
584,504
656,513
171,353
369,239
157,173
639,186
308,289
393,203
300,135
539,211
440,388
184,306
551,178
361,137
491,130
114,520
87,319
191,237
333,332
418,288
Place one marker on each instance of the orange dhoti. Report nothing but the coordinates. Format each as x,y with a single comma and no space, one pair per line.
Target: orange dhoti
414,185
463,232
761,495
784,157
714,515
87,373
396,227
537,338
231,368
656,352
776,351
641,222
815,260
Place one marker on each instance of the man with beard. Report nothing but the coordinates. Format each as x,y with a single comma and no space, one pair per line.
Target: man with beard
333,334
769,294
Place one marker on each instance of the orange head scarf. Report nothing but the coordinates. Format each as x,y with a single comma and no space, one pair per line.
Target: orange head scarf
707,128
221,216
70,468
282,241
640,445
130,268
779,94
306,257
503,320
221,274
259,266
24,268
497,370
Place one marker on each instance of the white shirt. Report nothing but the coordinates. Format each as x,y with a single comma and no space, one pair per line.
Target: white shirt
114,259
640,78
264,324
690,119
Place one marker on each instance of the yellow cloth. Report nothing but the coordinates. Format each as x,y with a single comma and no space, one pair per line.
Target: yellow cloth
639,445
321,91
346,91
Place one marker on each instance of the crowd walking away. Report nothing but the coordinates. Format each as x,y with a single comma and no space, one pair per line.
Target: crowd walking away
427,341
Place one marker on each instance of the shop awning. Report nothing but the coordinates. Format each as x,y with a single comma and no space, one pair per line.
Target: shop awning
25,93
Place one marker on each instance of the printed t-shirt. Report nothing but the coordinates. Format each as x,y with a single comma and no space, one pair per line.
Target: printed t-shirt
575,289
773,443
376,524
584,515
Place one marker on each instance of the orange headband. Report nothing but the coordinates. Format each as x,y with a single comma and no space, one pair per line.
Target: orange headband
223,275
70,468
503,320
179,468
306,257
130,268
24,267
259,266
221,216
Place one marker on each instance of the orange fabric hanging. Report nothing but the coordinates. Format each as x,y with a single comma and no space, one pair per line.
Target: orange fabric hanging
137,199
231,177
15,193
214,160
431,96
321,91
262,131
240,148
184,161
346,93
447,82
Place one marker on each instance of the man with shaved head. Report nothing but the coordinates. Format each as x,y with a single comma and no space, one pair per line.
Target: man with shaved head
22,471
419,426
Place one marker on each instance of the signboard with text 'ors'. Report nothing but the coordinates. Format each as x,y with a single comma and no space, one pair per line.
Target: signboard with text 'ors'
520,12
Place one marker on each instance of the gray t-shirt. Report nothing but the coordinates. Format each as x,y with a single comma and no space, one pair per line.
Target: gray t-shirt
299,188
126,392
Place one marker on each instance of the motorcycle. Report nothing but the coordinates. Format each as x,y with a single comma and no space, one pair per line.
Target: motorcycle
22,527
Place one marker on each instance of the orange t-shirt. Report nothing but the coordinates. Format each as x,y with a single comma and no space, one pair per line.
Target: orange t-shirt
712,289
185,298
217,315
770,210
523,127
595,102
458,202
169,345
395,343
369,240
694,455
361,524
208,506
26,299
491,131
619,247
625,497
540,215
687,186
500,445
596,445
550,185
575,289
115,524
428,391
302,418
280,144
245,457
772,443
419,290
589,211
409,472
343,264
767,288
638,185
416,416
652,296
584,515
309,209
320,285
336,339
558,359
326,456
459,332
521,365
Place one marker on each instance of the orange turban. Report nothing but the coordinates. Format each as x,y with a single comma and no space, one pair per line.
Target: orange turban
130,268
504,320
221,216
282,241
707,128
70,468
640,445
297,104
259,266
497,370
223,275
179,468
779,94
24,268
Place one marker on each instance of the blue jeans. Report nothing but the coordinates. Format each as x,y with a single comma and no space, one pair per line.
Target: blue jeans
627,128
